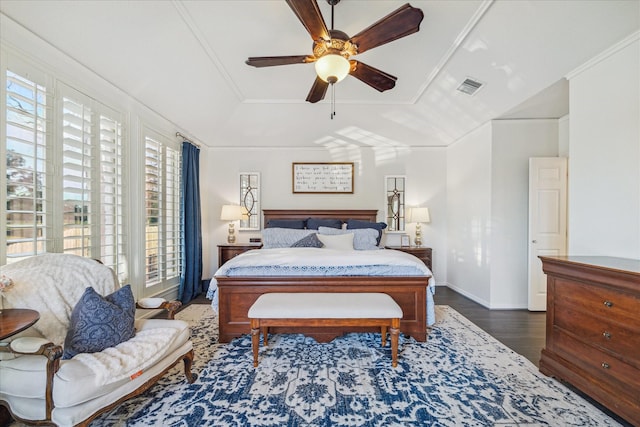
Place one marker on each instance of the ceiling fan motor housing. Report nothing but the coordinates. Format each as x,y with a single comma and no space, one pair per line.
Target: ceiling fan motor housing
338,44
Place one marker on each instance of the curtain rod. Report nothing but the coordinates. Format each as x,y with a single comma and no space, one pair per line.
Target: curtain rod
178,134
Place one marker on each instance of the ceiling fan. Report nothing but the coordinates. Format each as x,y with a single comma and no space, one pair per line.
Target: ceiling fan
332,49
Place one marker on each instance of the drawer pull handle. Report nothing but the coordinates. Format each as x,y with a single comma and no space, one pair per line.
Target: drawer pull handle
608,304
607,335
605,365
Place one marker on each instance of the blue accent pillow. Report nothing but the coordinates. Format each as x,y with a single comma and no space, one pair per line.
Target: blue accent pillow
314,223
356,223
298,224
99,322
311,241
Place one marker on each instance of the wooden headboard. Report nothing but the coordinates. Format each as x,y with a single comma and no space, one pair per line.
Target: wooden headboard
341,214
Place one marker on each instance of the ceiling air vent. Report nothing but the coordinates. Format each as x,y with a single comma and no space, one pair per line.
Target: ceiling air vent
469,86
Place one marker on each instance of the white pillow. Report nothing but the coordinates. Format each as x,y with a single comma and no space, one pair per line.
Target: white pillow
364,239
339,241
282,237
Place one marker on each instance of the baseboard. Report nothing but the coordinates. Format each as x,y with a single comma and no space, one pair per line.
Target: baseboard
469,295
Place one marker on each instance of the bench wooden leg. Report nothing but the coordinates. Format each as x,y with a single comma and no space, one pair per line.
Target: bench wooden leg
383,332
265,335
255,340
395,332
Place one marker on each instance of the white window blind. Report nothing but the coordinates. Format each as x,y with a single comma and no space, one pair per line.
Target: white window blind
78,205
162,202
92,181
112,196
77,182
26,174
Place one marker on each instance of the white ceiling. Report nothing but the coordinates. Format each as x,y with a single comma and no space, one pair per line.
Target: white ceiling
185,60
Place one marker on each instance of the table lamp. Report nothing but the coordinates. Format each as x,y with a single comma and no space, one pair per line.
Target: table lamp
232,213
419,215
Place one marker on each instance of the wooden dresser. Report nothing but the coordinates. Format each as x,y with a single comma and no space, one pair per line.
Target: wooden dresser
593,329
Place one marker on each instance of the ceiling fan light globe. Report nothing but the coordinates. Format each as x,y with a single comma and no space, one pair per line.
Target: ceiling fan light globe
332,68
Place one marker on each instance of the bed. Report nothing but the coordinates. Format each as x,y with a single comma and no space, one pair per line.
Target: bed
232,295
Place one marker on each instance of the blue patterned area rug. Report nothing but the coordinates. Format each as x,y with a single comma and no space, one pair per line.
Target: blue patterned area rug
460,377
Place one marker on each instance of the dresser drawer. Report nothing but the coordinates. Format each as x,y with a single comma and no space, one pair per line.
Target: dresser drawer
613,374
599,301
609,336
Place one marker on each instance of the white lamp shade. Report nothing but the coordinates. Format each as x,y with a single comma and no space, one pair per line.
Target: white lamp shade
232,212
419,215
332,68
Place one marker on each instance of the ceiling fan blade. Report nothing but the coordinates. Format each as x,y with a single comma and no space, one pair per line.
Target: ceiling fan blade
309,14
318,90
399,23
270,61
375,78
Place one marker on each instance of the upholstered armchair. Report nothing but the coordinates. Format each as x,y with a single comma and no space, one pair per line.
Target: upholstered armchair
87,353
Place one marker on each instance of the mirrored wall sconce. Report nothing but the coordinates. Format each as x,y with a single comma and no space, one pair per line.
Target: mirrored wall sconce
232,213
419,216
394,197
250,200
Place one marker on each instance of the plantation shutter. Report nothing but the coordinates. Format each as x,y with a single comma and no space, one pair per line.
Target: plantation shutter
77,158
112,194
162,202
27,135
92,181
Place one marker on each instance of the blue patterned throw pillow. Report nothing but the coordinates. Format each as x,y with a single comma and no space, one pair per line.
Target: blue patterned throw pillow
311,241
357,224
99,322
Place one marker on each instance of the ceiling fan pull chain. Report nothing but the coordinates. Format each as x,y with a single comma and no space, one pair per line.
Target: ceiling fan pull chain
333,101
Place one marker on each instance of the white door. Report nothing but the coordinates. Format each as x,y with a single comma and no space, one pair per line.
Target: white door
547,221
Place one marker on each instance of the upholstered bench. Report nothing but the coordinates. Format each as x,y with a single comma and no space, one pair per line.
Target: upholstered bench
325,309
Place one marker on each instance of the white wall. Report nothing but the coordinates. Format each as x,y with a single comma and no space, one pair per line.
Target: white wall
513,143
487,202
425,169
604,165
469,215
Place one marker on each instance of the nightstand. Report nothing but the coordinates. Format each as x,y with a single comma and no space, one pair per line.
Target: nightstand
418,251
228,251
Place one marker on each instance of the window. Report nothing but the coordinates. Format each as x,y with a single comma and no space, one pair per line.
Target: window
162,204
77,182
26,173
78,206
92,179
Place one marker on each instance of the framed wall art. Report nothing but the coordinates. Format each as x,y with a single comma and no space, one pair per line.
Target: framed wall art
336,177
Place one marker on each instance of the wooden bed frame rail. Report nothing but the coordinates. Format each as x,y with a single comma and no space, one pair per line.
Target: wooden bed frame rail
237,294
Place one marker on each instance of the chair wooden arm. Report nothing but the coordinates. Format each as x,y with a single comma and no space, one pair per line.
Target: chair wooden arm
170,306
39,347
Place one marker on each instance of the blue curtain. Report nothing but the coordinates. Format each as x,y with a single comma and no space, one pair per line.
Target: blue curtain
190,217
